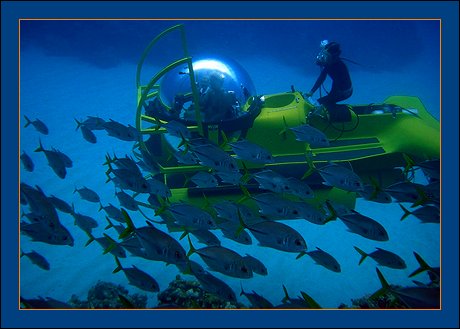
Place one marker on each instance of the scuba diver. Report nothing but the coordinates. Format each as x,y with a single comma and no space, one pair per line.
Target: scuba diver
216,103
332,65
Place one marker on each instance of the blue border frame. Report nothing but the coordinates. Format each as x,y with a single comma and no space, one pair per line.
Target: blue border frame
445,10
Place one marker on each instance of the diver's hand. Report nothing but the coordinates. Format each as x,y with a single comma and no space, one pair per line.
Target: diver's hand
307,94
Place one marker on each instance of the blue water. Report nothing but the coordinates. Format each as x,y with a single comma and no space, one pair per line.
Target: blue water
72,69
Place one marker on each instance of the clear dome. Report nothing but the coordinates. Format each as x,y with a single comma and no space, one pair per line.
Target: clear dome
235,80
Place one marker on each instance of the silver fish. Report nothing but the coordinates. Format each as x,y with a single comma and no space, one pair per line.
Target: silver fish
324,259
383,257
88,135
38,125
87,194
311,135
138,278
251,152
27,162
204,179
37,259
341,177
256,265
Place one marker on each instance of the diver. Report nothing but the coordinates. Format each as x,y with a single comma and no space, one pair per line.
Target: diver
331,65
216,103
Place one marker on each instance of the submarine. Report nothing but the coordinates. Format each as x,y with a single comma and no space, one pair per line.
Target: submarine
374,140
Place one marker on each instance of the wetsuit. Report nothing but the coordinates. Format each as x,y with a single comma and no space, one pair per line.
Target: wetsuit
341,83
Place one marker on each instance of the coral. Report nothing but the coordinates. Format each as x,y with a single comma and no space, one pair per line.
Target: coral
188,294
106,295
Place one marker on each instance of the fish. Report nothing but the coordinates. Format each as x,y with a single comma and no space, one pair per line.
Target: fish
384,258
108,244
88,194
156,244
39,232
42,303
214,285
127,201
371,193
91,123
278,236
27,162
206,237
60,204
311,135
301,302
256,300
137,277
177,129
191,216
256,265
325,259
341,177
213,157
426,214
229,230
251,152
431,168
38,125
158,188
413,297
119,228
405,191
204,179
230,177
113,212
37,259
68,163
120,131
88,135
55,161
223,260
364,226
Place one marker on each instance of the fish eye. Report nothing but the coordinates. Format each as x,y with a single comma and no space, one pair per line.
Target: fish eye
297,242
244,269
177,254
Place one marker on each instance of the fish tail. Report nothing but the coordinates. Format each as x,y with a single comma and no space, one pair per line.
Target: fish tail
73,209
119,267
100,206
111,246
242,291
385,286
40,146
184,234
131,228
192,248
423,265
331,209
362,253
224,139
310,301
246,176
28,122
286,295
406,212
78,123
246,194
22,253
91,238
110,223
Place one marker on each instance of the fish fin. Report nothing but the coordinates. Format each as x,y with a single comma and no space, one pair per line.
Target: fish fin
28,122
285,129
246,194
192,248
40,146
246,176
184,234
22,253
406,212
301,254
78,124
385,286
224,139
111,246
286,295
119,267
130,228
423,265
242,291
362,253
310,301
125,302
91,238
110,223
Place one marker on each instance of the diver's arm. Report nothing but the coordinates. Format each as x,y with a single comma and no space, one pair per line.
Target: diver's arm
319,81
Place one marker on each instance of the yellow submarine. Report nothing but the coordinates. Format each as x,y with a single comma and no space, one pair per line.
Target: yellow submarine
374,139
